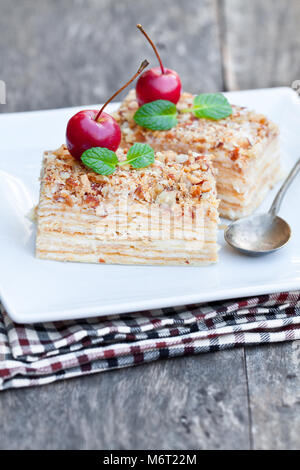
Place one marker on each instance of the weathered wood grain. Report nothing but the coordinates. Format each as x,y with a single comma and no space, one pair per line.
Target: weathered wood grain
274,391
261,42
186,403
78,52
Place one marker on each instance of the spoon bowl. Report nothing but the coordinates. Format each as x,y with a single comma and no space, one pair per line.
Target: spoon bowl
259,234
263,233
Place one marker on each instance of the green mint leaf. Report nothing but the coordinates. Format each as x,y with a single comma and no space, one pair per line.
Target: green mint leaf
159,115
140,156
211,106
101,160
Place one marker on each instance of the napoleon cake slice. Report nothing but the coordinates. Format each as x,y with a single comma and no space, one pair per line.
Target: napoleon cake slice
165,214
244,148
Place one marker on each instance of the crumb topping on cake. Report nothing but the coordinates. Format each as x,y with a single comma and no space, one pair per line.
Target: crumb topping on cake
238,135
172,179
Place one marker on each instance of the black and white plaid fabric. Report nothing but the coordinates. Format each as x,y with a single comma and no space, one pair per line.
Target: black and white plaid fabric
42,353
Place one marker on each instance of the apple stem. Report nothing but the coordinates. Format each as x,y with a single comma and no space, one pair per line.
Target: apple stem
140,27
142,67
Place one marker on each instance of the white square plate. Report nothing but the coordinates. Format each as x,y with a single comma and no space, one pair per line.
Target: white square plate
34,290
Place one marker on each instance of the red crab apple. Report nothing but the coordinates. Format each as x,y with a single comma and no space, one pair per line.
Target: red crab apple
157,83
92,128
84,131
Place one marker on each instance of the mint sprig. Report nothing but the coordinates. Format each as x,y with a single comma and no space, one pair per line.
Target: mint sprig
104,161
159,115
210,106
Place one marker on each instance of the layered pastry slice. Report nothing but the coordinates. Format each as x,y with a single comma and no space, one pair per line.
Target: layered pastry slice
165,214
244,148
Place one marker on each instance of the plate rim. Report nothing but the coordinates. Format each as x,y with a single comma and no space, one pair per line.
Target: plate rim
118,308
129,307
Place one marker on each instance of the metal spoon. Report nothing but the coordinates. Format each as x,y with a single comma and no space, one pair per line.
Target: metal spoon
262,233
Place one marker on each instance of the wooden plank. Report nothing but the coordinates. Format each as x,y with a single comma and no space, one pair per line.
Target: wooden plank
74,53
274,389
196,402
261,43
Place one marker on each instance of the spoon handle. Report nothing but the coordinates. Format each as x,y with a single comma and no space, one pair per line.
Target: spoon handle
274,209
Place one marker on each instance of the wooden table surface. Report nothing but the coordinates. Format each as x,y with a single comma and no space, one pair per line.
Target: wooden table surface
56,54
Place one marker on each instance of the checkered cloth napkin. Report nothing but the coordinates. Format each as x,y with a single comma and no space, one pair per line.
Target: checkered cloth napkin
45,352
